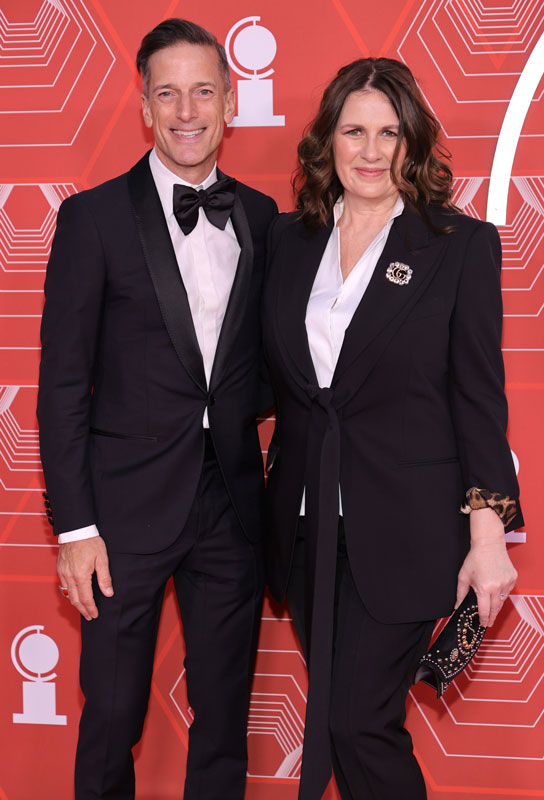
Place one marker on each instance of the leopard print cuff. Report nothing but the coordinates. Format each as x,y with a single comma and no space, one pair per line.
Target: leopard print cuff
505,507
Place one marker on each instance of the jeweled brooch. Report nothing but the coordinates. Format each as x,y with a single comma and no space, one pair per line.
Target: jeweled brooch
399,273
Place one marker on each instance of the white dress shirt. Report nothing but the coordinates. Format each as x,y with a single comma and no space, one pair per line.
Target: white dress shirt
333,300
207,259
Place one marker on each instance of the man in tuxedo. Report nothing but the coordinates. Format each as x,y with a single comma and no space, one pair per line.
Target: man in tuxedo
149,392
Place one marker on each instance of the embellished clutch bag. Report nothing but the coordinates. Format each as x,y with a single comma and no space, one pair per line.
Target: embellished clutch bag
453,648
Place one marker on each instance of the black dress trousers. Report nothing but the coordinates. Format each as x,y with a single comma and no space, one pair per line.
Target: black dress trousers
372,670
218,577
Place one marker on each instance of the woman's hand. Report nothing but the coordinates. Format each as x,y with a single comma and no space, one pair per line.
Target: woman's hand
487,567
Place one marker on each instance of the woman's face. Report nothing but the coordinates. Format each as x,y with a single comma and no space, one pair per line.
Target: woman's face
363,145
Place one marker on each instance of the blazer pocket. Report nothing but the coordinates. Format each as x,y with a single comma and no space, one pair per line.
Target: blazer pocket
427,308
426,462
114,435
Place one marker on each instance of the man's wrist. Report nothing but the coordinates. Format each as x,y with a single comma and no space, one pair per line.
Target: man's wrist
88,532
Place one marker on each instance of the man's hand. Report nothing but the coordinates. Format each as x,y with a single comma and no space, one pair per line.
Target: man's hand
75,566
487,567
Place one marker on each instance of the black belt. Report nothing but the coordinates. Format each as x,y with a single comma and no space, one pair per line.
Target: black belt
209,449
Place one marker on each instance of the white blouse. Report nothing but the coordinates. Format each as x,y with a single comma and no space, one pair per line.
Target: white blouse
333,300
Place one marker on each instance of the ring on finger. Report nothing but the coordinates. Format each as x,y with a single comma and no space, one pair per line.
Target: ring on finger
63,590
503,596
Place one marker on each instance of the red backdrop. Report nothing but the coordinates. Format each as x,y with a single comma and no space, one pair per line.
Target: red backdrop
69,106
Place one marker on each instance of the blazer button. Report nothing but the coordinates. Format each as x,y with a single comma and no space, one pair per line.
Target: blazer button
45,496
211,400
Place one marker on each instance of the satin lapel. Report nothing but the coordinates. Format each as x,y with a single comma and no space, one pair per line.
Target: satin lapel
304,252
163,268
385,305
234,314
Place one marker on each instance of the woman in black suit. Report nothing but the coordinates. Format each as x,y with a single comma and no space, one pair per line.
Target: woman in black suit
382,322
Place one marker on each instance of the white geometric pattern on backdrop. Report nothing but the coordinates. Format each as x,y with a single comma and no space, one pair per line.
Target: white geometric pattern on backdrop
53,69
522,241
60,84
27,249
475,50
503,687
19,447
276,710
25,242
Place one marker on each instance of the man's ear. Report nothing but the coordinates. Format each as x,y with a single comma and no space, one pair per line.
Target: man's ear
146,111
230,105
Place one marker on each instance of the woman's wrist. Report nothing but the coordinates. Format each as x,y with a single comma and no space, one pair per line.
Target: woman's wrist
486,528
503,506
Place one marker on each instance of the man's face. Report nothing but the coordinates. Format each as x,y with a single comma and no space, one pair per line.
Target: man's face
187,107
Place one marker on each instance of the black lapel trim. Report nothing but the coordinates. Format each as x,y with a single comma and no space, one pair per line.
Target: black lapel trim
303,254
234,314
385,305
163,268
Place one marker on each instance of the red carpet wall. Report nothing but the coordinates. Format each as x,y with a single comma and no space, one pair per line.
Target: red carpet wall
69,106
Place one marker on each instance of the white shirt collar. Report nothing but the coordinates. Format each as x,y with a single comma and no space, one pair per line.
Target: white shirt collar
165,180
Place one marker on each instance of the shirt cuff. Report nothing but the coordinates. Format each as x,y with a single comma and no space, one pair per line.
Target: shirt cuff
88,532
506,507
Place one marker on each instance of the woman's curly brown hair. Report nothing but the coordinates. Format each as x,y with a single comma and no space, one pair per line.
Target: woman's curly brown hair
424,176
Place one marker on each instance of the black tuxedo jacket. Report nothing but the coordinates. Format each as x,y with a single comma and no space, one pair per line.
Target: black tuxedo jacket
418,398
122,385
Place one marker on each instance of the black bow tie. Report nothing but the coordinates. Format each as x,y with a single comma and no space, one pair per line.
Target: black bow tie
217,202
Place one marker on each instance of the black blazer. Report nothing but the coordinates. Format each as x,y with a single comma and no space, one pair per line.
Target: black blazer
418,398
122,385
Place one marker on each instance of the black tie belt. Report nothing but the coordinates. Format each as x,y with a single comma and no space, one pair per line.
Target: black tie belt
321,537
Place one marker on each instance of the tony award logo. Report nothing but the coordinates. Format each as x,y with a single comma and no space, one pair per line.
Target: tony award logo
34,651
252,51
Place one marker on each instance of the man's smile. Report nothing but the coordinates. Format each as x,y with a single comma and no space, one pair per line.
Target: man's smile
188,134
